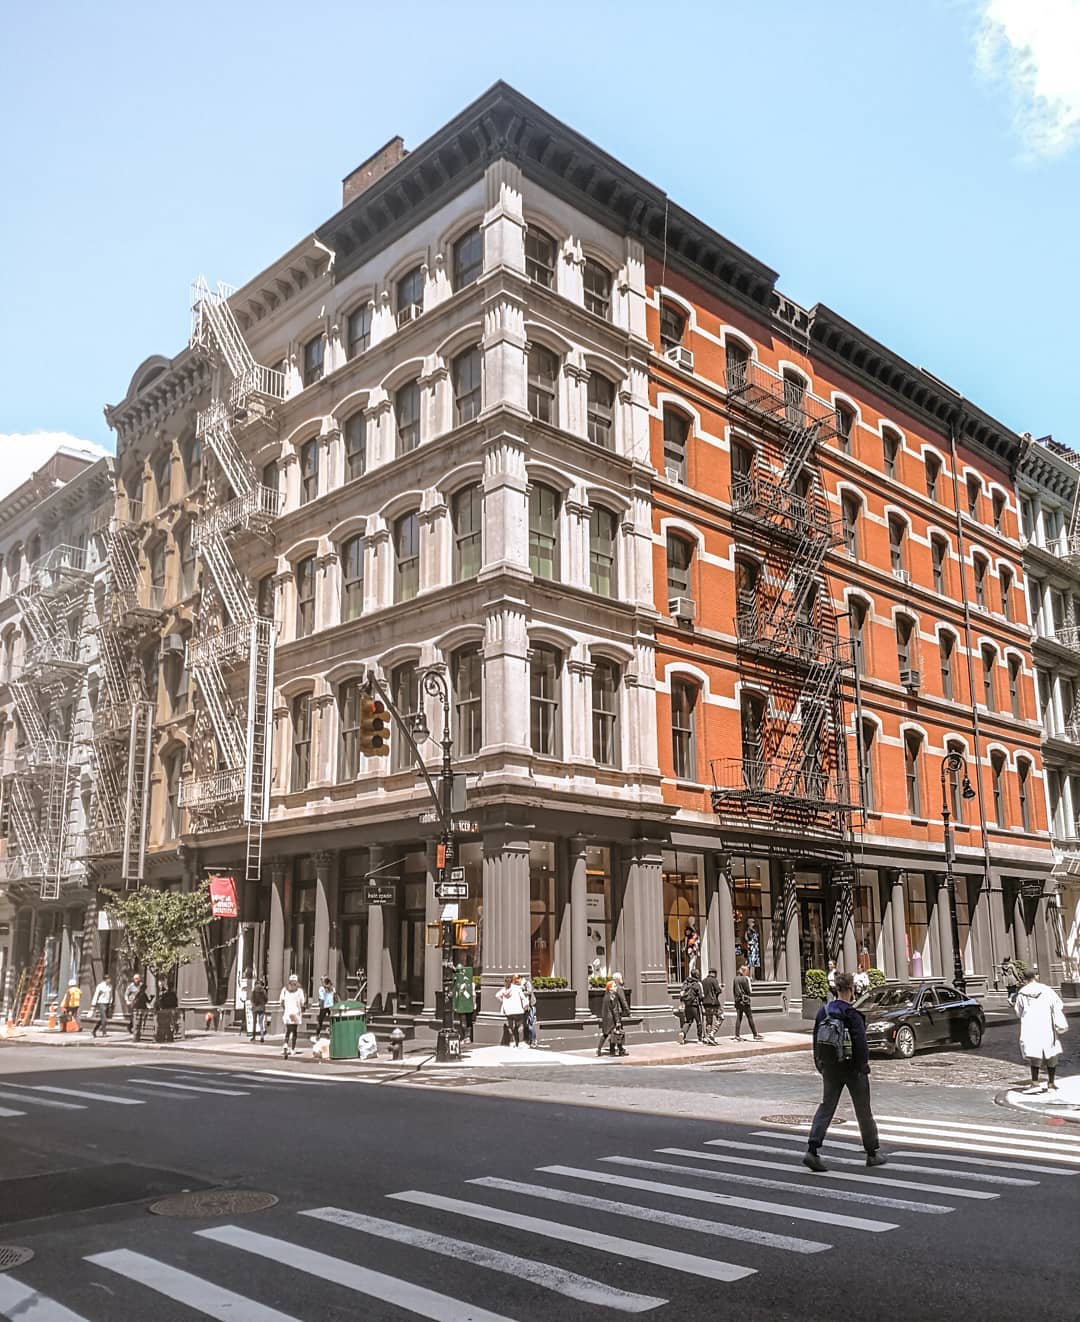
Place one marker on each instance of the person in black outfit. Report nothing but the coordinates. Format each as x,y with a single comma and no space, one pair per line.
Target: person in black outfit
257,999
712,991
611,1021
741,991
140,1006
690,1002
836,1075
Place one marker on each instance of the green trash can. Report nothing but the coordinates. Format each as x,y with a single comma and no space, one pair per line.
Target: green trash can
348,1022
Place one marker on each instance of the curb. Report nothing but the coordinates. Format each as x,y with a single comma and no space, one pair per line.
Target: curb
1040,1112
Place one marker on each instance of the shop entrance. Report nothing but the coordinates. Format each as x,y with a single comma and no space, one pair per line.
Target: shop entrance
813,921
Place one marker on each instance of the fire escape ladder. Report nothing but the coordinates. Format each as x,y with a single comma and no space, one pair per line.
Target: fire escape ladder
230,583
28,712
213,427
260,717
30,846
137,793
215,694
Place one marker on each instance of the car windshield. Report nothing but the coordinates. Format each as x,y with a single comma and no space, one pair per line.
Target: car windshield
885,998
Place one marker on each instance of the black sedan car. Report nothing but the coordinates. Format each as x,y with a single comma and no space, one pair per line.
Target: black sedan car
902,1017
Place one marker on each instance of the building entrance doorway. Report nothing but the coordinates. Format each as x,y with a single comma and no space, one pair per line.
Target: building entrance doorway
813,922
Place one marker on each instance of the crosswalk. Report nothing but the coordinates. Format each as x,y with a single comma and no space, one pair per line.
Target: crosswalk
603,1233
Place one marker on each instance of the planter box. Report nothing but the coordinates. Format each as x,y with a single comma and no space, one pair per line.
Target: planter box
554,1003
596,999
810,1006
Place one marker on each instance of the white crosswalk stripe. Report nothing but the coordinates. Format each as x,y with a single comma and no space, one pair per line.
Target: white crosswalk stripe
108,1098
989,1163
5,1110
9,1096
190,1087
377,1285
837,1175
278,1078
203,1296
1063,1140
977,1176
26,1304
543,1274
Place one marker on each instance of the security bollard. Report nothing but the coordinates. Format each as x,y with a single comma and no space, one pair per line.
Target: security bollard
397,1045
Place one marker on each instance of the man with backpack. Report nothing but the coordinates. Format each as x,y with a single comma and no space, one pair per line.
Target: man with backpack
690,1003
842,1060
712,991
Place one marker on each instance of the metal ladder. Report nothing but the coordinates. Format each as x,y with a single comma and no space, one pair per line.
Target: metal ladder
137,794
260,718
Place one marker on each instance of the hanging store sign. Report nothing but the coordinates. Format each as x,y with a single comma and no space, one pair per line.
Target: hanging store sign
223,899
1032,890
381,892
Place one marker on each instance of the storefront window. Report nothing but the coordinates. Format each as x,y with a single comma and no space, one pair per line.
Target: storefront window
750,880
920,964
813,920
302,924
598,909
542,907
967,897
683,906
352,922
867,925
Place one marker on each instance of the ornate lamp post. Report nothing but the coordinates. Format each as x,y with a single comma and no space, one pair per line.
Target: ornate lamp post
953,765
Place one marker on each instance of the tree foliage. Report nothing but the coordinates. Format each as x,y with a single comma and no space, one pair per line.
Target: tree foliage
159,928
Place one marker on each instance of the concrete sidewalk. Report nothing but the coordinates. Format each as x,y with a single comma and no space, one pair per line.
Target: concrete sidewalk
1062,1104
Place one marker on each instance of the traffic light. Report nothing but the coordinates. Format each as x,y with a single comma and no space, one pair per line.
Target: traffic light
374,730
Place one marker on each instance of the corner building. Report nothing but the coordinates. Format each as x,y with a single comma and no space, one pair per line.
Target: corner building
465,457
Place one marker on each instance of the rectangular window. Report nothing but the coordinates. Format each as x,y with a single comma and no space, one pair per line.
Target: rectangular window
540,254
407,417
301,748
605,712
468,259
601,411
545,677
468,685
405,692
845,427
358,331
313,360
603,530
672,326
938,552
355,446
349,696
467,517
309,471
683,720
597,284
680,553
543,384
352,579
1014,686
912,754
467,386
544,532
676,435
305,597
736,365
946,646
407,556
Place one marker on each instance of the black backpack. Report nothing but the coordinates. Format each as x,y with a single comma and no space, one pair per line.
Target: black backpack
834,1039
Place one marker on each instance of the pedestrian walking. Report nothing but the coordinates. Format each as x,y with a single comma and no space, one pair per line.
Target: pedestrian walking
611,1021
712,995
101,1005
139,1009
168,1017
327,997
830,976
1011,973
257,998
293,1001
1042,1021
843,1061
532,1026
514,1006
130,992
620,992
69,1007
742,991
690,1003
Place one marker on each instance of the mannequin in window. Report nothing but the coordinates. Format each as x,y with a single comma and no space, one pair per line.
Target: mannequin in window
751,944
691,945
865,960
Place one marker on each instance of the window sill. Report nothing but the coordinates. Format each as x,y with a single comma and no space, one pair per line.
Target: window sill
920,821
689,785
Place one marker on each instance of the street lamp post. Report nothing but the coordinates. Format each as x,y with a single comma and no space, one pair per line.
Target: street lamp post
952,765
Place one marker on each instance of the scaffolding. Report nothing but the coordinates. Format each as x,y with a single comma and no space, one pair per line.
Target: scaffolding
794,767
234,642
55,604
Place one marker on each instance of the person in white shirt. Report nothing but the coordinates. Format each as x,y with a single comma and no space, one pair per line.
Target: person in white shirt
514,1007
101,1003
293,1001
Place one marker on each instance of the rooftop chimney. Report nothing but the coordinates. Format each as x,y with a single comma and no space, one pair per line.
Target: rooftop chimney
372,169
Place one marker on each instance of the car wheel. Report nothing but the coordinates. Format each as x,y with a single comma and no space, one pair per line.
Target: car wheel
973,1034
905,1041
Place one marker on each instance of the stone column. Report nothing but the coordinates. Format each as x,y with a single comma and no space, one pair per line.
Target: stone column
898,923
380,969
328,594
729,959
275,960
323,739
849,951
580,955
711,943
640,942
943,915
432,914
789,917
504,220
1020,932
506,909
325,914
506,506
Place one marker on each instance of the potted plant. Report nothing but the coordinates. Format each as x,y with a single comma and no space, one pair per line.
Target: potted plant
554,999
877,978
815,992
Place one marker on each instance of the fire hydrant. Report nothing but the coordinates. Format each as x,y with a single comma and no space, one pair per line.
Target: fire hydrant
397,1045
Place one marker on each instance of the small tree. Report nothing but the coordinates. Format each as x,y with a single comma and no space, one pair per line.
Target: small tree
159,928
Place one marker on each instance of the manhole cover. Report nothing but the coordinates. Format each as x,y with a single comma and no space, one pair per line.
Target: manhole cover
11,1255
213,1202
787,1119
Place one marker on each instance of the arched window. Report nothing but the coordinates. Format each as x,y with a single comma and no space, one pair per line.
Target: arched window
890,450
603,530
857,614
946,653
410,296
264,597
467,681
605,713
540,254
466,377
794,394
349,696
845,425
157,575
1015,705
953,780
752,733
897,546
193,463
676,435
314,351
270,477
407,417
1023,772
672,326
905,648
352,579
989,661
305,596
684,696
680,556
850,509
601,411
997,505
358,331
736,365
301,741
468,258
545,682
543,384
1005,579
187,562
171,824
933,473
355,435
309,471
868,732
997,772
974,491
980,571
162,478
466,515
597,282
747,577
405,691
407,556
939,555
913,742
544,504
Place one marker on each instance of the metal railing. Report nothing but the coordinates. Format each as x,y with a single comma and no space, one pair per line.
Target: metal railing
766,780
804,516
766,392
227,645
209,791
256,507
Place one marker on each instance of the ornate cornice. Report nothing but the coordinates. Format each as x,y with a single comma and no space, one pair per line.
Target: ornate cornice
156,394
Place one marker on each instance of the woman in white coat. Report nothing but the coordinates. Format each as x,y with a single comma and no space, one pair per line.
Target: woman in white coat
1042,1021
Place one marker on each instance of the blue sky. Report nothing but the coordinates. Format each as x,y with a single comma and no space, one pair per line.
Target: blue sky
915,166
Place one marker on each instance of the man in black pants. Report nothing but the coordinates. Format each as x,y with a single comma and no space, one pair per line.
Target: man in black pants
741,992
712,991
848,1068
690,999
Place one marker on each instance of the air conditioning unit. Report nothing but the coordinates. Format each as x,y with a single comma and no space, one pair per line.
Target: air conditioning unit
173,643
680,356
911,679
673,475
901,575
409,313
682,608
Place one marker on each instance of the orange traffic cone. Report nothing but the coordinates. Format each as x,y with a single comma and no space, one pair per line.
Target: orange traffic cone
51,1025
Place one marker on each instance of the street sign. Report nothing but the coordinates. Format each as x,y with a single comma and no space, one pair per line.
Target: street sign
1031,890
381,892
457,874
458,825
843,876
451,890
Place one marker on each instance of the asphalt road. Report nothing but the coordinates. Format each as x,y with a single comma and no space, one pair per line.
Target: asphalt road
435,1202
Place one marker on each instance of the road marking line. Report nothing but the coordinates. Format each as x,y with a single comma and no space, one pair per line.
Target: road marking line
788,1243
318,1078
191,1087
38,1101
723,1199
192,1291
6,1111
377,1285
947,1155
988,1130
893,1165
537,1273
94,1096
279,1079
839,1175
18,1300
815,1188
632,1249
961,1145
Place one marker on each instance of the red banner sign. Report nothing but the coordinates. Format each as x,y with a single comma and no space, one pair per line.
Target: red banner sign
223,897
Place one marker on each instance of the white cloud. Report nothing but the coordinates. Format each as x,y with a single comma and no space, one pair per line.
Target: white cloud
1032,48
21,454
